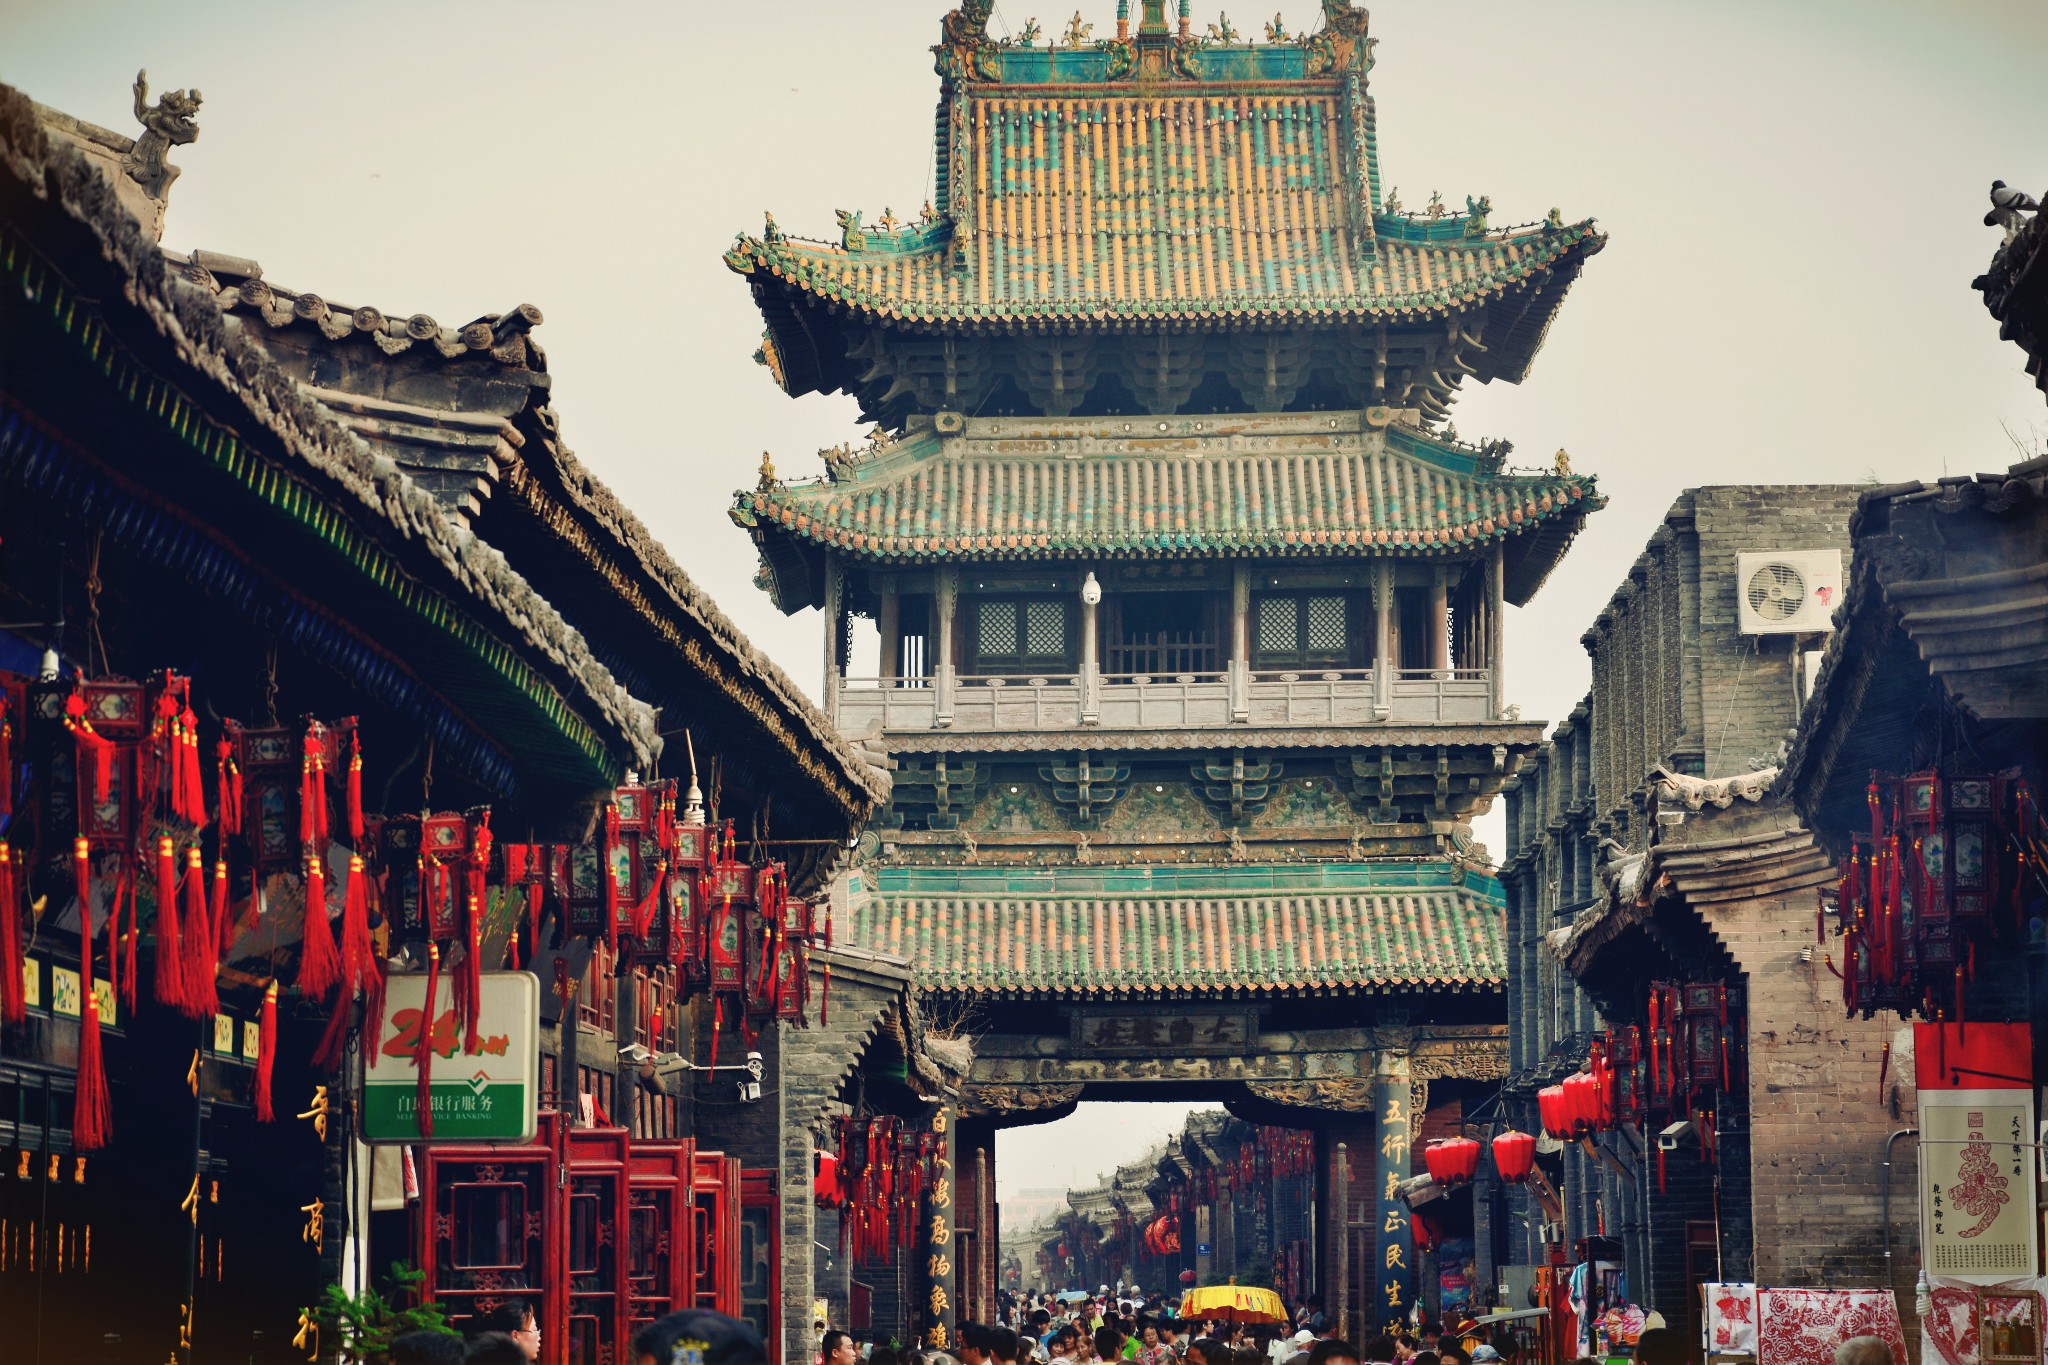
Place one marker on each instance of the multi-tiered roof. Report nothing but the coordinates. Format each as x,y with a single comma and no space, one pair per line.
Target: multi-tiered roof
1159,184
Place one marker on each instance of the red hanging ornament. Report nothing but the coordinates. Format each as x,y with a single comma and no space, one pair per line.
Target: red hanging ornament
1514,1155
355,790
201,964
170,956
6,752
95,751
91,1115
228,787
218,912
313,787
319,959
13,1002
423,1052
266,1054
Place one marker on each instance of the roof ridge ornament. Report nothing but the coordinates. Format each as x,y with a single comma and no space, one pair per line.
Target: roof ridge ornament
965,50
166,124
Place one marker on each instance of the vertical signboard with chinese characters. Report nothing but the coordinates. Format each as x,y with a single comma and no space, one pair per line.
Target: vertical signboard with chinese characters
941,1247
1394,1262
1977,1164
491,1094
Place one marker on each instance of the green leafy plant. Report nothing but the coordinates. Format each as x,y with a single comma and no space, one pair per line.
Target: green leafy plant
362,1326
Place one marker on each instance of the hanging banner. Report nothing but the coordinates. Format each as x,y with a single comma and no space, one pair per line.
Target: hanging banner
489,1095
1394,1262
1977,1163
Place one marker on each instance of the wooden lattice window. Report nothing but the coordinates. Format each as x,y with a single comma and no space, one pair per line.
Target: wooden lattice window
1310,630
1020,635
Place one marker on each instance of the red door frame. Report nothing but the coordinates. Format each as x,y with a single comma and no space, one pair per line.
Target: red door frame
544,1184
757,1190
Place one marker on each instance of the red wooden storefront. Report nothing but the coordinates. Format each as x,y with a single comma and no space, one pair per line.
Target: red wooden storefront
600,1232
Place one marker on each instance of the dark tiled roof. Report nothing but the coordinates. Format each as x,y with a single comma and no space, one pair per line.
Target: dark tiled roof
1308,929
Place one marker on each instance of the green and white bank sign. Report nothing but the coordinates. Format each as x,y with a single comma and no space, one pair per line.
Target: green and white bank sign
491,1094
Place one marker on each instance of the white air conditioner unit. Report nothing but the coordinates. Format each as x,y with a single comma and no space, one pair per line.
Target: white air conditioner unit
1787,592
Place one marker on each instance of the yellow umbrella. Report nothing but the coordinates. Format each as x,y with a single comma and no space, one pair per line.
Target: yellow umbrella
1233,1303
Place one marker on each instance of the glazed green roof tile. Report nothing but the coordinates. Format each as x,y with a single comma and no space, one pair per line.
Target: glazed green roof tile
926,505
1162,177
1177,931
1148,260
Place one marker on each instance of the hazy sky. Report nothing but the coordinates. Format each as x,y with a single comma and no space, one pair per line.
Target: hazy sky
1794,189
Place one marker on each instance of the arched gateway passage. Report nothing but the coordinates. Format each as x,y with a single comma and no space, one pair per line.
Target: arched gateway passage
1183,599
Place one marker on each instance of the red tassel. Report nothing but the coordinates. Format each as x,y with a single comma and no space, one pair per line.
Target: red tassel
13,1004
355,791
217,911
825,998
266,1054
358,951
643,913
470,991
114,981
229,782
91,1121
6,755
126,893
202,963
193,791
95,752
717,1017
319,960
313,789
423,1052
170,976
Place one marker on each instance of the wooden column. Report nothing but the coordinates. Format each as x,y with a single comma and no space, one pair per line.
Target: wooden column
835,628
891,629
1384,661
1496,603
1439,622
1240,643
1091,664
1340,1201
942,666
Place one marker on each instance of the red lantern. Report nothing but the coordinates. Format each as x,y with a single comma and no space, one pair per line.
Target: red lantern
1514,1155
1550,1106
1582,1103
1452,1161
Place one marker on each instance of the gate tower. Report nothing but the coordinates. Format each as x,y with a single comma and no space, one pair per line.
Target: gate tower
1189,596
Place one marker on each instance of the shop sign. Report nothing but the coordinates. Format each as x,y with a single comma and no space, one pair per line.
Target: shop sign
1977,1164
490,1094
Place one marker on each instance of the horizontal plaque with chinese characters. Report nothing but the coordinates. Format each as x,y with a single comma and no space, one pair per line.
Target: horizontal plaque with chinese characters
1142,1033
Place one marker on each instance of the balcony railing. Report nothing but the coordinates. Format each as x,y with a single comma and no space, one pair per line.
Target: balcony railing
1264,699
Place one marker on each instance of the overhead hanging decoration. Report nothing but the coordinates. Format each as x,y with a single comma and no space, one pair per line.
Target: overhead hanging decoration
1948,867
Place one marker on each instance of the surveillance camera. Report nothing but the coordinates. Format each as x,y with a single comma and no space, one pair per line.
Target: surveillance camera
754,1069
1668,1140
